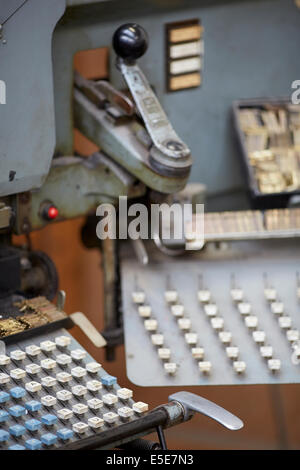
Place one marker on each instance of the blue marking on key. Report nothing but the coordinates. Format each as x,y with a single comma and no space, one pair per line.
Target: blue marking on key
17,430
33,444
17,410
108,380
3,416
17,392
48,439
33,424
49,419
33,405
4,435
16,447
4,396
65,433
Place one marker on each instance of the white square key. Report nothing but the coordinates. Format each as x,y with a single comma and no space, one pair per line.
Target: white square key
244,308
48,400
157,339
138,297
124,393
4,360
64,413
64,395
210,310
285,322
237,294
17,374
292,335
204,295
150,325
110,417
125,412
78,354
270,294
274,364
266,352
232,352
62,341
217,323
63,359
277,308
94,385
48,364
33,387
33,350
33,369
225,337
47,346
79,390
164,353
239,366
184,323
95,422
95,403
259,336
80,428
63,377
198,353
170,368
204,367
48,381
191,338
78,372
171,296
79,408
4,378
17,355
93,367
144,311
251,321
109,399
140,407
177,310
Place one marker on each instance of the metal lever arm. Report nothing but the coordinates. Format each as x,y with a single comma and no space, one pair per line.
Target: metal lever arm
193,403
168,152
157,124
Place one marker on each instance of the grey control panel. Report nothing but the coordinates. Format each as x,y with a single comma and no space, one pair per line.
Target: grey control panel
227,315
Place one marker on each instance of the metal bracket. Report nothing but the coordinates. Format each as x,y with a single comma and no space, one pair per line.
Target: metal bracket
193,403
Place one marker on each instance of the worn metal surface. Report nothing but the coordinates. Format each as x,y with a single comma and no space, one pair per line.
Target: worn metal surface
248,261
121,144
76,186
27,131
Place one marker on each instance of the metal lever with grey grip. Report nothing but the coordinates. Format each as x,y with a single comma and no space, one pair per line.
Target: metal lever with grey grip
169,153
192,403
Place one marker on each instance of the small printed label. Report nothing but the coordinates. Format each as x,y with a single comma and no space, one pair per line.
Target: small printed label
185,81
185,65
187,49
189,33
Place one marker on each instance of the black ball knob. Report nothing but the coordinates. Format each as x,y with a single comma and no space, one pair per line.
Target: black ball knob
130,41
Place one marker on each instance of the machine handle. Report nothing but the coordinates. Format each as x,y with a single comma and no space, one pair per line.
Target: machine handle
130,42
193,403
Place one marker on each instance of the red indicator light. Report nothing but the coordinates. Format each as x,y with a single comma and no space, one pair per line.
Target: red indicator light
52,212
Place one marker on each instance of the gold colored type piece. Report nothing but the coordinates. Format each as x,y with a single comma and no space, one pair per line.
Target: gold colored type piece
272,139
36,312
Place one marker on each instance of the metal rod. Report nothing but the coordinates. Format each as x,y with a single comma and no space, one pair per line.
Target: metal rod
161,437
157,418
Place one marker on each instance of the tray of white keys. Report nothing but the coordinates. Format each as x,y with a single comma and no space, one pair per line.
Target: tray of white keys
227,315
